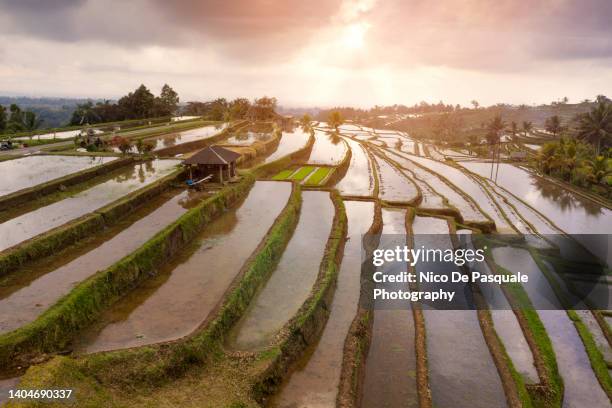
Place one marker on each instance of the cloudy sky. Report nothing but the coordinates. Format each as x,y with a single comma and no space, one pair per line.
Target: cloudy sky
310,52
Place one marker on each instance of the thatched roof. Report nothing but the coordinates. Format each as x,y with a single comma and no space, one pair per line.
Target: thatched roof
213,155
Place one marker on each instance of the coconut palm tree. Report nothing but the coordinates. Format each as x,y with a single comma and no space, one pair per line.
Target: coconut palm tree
553,125
596,126
527,127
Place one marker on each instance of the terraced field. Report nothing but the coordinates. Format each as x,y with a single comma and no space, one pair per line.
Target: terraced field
257,292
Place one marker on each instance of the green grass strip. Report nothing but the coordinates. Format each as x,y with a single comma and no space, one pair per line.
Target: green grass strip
319,175
283,175
302,173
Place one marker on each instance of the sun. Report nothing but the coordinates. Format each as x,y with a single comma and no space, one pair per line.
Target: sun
354,35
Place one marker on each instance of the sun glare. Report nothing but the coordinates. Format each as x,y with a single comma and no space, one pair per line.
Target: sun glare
354,35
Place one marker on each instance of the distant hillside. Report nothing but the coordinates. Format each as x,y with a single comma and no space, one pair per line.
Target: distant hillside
55,112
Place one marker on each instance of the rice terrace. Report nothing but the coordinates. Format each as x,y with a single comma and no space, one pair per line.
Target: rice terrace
237,252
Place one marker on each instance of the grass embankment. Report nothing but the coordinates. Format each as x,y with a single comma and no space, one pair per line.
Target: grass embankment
65,235
55,328
596,358
305,328
148,375
549,392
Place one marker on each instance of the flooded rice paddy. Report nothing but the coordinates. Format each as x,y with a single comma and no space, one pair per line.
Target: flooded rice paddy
448,359
26,172
129,179
28,295
395,186
569,211
293,279
290,142
581,387
176,301
390,369
248,136
329,149
359,178
315,381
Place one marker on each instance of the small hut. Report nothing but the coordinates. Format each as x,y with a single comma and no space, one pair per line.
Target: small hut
214,161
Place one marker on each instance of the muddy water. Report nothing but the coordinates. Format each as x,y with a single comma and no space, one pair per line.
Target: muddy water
43,219
390,368
506,325
394,185
359,178
471,187
289,143
328,149
461,372
315,382
25,298
186,290
582,388
292,281
26,172
572,213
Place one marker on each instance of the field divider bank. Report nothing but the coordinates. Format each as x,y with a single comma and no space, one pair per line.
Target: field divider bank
61,237
35,192
53,330
549,391
305,328
158,363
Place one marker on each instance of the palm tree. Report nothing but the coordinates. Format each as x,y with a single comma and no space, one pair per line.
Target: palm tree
553,125
513,130
495,127
527,127
596,125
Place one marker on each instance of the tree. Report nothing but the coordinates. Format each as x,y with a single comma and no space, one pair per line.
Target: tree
335,120
169,99
494,130
31,121
513,129
85,113
305,121
475,103
238,108
527,127
15,121
596,126
553,125
138,104
2,118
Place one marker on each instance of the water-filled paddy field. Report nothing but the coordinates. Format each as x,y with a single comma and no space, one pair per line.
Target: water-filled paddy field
297,271
25,296
343,356
329,149
186,290
129,179
26,172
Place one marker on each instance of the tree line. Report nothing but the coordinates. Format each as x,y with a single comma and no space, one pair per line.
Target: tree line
139,104
16,120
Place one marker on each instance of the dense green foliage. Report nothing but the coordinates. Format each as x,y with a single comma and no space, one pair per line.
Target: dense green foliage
576,162
139,104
